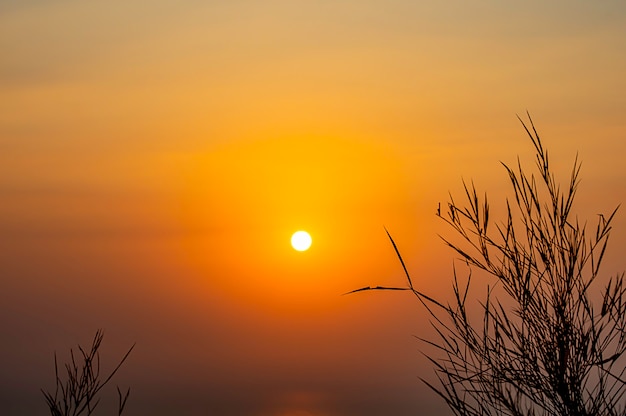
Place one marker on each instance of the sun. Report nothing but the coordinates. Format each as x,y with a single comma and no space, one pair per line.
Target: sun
301,240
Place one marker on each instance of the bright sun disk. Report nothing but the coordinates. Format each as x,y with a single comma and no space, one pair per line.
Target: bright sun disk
301,240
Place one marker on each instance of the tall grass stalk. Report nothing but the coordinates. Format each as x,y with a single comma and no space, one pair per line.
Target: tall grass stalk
551,341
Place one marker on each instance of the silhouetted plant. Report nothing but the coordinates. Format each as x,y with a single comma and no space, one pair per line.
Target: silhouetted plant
77,394
547,344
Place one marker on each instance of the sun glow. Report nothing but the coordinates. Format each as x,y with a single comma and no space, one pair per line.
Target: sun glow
301,240
336,189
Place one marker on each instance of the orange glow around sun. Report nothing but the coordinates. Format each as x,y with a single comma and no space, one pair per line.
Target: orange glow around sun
245,198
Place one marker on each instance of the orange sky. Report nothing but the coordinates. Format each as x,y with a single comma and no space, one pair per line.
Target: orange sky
155,159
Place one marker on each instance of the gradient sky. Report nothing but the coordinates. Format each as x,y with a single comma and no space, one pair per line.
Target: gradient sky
155,158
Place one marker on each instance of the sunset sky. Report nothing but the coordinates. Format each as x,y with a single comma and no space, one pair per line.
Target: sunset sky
156,157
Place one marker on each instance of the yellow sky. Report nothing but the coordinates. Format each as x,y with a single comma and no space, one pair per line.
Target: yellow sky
155,158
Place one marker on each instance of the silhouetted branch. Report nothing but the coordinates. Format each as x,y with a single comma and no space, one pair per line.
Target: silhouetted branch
77,393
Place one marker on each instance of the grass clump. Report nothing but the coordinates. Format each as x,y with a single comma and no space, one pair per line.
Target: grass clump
77,392
550,341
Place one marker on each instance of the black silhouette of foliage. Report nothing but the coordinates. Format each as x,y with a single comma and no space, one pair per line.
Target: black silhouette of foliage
550,342
77,393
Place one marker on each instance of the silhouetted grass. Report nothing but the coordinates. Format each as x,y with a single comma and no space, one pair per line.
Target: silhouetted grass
554,351
77,392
